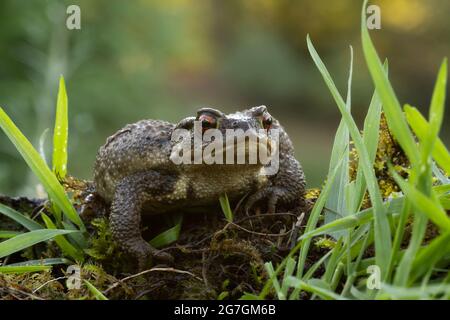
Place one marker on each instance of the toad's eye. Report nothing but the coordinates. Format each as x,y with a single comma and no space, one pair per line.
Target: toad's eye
267,121
207,121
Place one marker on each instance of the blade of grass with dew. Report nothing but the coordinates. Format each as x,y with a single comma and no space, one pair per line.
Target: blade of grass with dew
382,228
23,269
60,133
9,234
97,293
20,218
28,239
421,127
60,137
40,169
66,247
169,236
392,110
42,139
225,205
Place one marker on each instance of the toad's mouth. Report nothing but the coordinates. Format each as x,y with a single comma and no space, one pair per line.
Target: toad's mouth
245,151
250,149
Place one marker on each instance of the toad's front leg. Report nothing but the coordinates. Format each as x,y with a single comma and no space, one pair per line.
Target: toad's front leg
287,187
130,195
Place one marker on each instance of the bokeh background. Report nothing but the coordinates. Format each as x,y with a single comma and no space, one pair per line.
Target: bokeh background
164,59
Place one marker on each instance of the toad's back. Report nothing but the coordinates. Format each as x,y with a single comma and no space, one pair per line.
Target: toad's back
139,146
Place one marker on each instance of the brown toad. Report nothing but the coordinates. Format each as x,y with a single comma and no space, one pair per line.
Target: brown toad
137,173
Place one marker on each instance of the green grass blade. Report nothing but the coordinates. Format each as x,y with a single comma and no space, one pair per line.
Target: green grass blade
304,245
60,133
430,255
273,276
308,275
337,200
249,296
392,109
66,247
28,239
370,137
415,293
97,293
225,205
331,266
288,272
77,238
169,236
44,262
323,293
9,234
399,234
437,106
382,228
314,218
20,218
424,204
420,126
23,269
40,169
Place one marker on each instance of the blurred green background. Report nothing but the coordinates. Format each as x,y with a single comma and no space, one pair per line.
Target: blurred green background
164,59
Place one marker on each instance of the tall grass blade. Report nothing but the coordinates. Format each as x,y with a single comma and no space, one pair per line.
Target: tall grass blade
382,228
337,200
23,269
60,133
28,239
421,128
8,234
40,169
97,293
225,205
437,249
169,236
20,218
432,209
66,247
394,115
